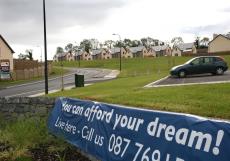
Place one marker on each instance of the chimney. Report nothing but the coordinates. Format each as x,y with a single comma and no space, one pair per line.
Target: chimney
215,35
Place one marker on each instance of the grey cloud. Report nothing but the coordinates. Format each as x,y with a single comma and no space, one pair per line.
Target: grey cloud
226,9
22,21
208,29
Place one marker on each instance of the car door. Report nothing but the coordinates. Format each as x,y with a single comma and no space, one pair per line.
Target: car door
194,66
208,65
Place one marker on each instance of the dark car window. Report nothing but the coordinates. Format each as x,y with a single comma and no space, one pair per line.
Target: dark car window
218,59
197,61
208,60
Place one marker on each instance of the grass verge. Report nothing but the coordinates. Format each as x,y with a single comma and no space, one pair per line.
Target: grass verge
17,137
205,100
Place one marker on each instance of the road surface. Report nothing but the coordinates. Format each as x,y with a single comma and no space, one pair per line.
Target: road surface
192,80
34,88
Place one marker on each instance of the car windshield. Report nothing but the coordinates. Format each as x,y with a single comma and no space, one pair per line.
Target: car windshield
188,62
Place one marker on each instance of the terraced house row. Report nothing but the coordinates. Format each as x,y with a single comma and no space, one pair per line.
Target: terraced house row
220,45
131,52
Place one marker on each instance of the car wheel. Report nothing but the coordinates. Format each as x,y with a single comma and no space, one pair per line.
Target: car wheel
219,71
182,74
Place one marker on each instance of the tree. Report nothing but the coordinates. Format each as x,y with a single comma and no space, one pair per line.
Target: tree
29,54
152,42
69,47
86,45
197,42
204,42
135,43
94,43
76,49
22,56
109,44
59,50
161,43
127,42
144,42
119,44
149,42
177,40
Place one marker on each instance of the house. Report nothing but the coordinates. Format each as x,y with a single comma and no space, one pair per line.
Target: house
163,50
183,49
6,54
139,51
67,56
106,54
220,43
55,58
87,56
60,57
70,56
78,55
96,54
101,54
115,52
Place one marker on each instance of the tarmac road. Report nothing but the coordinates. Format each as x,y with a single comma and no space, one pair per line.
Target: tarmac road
191,80
29,89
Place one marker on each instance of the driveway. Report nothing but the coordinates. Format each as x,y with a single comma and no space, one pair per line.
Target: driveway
37,88
191,80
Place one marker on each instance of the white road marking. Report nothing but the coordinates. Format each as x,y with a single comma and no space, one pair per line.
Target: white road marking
187,84
112,74
152,84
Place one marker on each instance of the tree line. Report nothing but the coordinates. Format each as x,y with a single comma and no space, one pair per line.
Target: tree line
148,42
94,44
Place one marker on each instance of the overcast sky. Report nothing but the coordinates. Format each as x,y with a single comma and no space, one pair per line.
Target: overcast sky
21,21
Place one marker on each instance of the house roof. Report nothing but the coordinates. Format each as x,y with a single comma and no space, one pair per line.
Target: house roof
96,52
12,51
185,46
115,50
61,54
159,48
225,36
136,49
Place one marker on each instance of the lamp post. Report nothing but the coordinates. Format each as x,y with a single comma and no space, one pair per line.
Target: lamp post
120,48
79,57
77,53
45,49
40,52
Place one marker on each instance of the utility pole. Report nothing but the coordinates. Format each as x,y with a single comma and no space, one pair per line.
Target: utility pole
120,48
45,49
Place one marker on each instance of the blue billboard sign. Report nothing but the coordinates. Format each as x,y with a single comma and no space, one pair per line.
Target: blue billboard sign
117,133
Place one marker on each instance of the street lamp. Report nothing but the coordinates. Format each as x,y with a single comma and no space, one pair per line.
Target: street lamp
79,57
45,48
120,48
40,52
77,53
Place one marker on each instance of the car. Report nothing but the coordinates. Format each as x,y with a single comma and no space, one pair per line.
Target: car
215,65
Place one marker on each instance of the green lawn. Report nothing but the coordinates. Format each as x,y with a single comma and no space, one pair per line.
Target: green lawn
205,100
